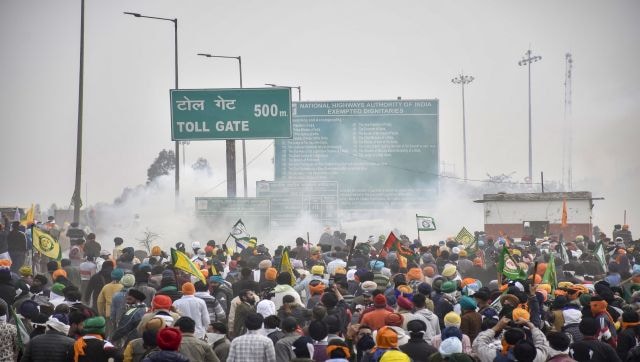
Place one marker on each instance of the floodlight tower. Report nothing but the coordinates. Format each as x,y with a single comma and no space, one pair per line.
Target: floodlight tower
567,140
527,60
462,80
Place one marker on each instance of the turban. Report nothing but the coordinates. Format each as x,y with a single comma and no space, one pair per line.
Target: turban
468,303
94,325
415,274
169,339
449,270
452,319
161,302
59,273
520,313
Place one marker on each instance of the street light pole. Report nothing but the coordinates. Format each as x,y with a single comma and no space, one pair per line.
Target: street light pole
231,144
527,60
175,42
299,88
462,80
76,198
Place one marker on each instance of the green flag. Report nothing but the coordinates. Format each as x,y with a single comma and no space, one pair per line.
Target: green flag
508,267
600,256
549,276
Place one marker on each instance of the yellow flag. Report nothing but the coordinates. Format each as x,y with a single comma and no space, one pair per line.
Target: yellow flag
285,265
45,244
182,262
28,218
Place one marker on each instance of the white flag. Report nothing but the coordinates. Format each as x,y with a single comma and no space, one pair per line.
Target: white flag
239,231
425,223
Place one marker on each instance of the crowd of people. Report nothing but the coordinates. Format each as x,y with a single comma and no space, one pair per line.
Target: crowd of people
337,300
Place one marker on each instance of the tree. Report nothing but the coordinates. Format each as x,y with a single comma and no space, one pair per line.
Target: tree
202,165
147,239
163,164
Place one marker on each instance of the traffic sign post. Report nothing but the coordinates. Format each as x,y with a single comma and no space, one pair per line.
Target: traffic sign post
229,114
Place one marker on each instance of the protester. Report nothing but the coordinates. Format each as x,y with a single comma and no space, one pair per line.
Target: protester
252,346
219,341
53,346
168,341
192,347
8,337
195,308
445,302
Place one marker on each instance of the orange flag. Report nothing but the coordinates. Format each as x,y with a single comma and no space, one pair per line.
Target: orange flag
563,223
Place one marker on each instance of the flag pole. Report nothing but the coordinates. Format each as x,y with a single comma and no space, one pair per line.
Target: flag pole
351,247
33,265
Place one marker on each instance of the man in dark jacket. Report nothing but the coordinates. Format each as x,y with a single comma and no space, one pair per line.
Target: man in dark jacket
4,247
417,348
92,247
223,294
590,348
17,244
92,347
246,282
98,281
7,288
243,310
168,341
628,336
52,346
127,323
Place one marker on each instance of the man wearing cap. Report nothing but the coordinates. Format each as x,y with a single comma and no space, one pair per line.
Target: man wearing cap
168,341
129,320
106,297
118,301
195,308
317,273
52,346
92,346
221,291
252,346
160,308
464,264
375,318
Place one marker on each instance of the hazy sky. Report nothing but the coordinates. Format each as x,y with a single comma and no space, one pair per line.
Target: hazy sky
335,50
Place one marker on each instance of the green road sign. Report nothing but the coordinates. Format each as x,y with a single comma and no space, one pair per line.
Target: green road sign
382,154
221,114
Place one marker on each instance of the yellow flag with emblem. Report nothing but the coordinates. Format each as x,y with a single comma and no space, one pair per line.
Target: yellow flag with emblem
464,237
181,261
45,244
